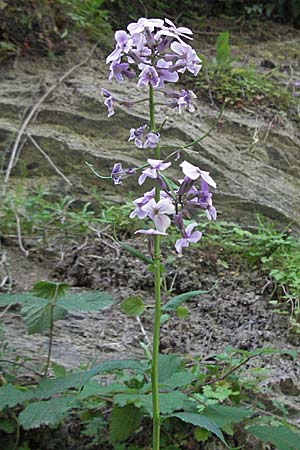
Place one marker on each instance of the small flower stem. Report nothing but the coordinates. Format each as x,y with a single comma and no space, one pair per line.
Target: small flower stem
157,293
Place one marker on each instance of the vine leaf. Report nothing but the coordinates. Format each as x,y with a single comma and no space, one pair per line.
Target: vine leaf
50,289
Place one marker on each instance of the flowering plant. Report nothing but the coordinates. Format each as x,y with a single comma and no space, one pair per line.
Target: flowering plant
155,52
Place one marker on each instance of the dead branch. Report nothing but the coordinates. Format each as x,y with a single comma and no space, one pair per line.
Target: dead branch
48,159
33,112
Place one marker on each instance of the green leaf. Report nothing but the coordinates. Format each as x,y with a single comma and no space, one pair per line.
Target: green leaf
226,415
282,437
94,389
136,253
172,304
164,318
50,289
11,396
123,422
223,49
201,421
7,425
37,315
48,388
182,312
86,301
178,379
133,306
201,434
13,299
168,365
48,412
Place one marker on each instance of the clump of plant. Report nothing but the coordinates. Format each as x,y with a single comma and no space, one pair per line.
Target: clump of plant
238,86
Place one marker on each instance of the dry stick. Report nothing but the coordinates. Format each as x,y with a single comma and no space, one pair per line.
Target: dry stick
48,158
32,113
19,233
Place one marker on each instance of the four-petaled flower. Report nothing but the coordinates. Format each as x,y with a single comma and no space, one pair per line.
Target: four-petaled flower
188,236
193,172
108,101
157,211
152,171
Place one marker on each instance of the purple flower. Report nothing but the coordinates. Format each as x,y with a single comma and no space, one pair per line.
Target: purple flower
157,211
140,202
108,102
151,172
181,99
188,236
148,76
187,58
174,32
117,173
151,231
142,138
202,199
194,173
123,46
164,73
142,24
120,70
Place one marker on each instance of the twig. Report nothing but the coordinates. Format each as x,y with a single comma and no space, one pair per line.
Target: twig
8,361
5,310
48,158
19,233
32,113
144,332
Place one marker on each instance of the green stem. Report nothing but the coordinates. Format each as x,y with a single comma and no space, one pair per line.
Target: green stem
157,280
52,307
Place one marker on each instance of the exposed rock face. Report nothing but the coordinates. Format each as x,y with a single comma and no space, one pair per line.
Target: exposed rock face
254,160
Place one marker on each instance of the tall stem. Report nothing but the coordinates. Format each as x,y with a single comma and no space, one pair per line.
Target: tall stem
157,280
52,307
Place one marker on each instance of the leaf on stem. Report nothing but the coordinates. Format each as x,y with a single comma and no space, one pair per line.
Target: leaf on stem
133,306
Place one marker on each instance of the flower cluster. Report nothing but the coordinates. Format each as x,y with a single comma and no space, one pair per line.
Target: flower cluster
154,52
182,201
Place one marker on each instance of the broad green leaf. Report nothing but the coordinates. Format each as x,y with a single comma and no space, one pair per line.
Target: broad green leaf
178,379
226,415
201,421
133,306
11,396
92,389
50,289
201,434
86,301
13,299
168,365
48,388
48,412
123,422
37,315
168,401
164,318
282,437
172,304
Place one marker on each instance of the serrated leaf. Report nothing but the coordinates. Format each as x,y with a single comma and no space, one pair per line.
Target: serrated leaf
178,379
37,315
14,299
50,289
48,388
11,396
226,415
123,422
94,389
282,437
86,301
132,306
201,421
176,301
47,412
168,365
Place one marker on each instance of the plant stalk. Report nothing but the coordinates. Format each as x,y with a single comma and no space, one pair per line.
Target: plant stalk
157,293
52,307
